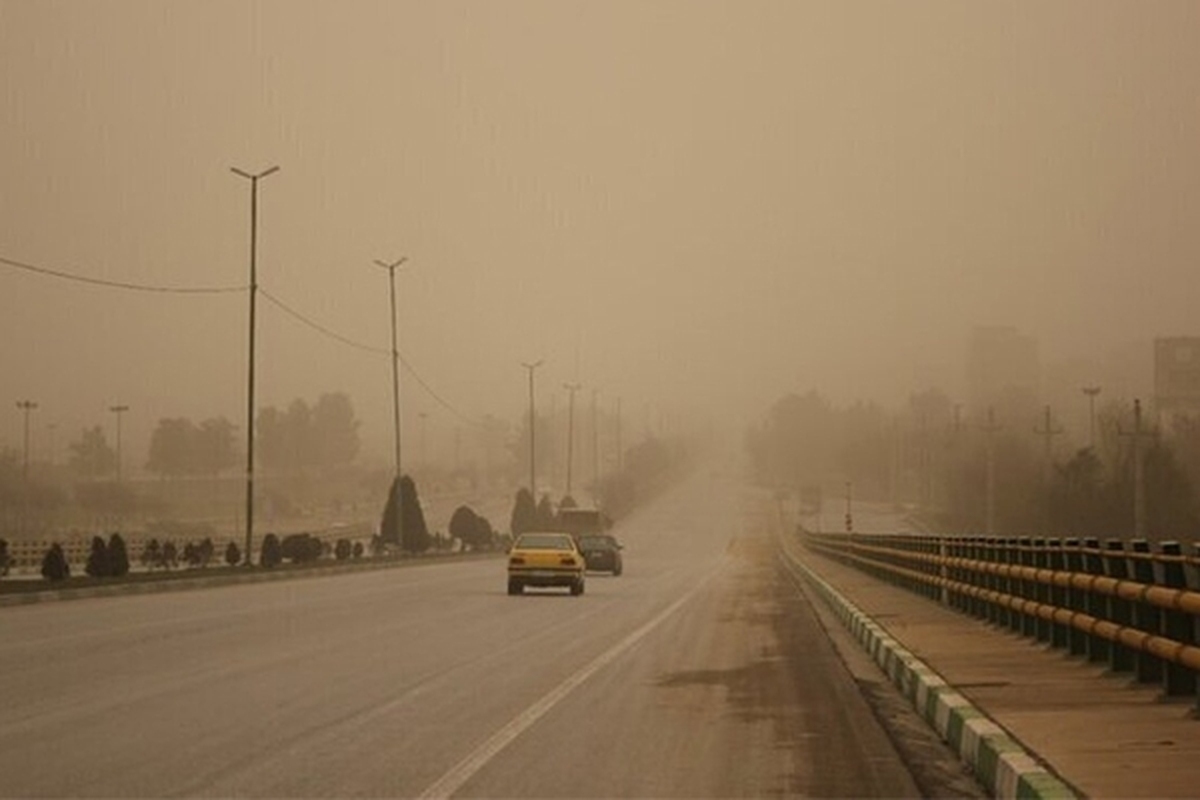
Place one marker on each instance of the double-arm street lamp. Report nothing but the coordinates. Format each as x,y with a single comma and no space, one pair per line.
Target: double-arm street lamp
532,425
254,179
26,406
391,267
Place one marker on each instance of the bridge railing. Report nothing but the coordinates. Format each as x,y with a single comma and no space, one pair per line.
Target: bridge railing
1118,603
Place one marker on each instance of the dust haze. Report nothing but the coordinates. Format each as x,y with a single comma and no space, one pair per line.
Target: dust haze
693,207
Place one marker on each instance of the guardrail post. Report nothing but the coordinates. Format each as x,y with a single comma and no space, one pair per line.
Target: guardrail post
1028,587
1093,603
1041,560
943,592
1119,611
1058,595
1009,585
1076,639
989,580
1147,668
1178,680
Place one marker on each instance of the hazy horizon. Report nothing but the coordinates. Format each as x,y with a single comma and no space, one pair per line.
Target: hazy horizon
695,207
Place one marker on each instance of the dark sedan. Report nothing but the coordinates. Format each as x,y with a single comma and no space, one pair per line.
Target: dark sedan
601,553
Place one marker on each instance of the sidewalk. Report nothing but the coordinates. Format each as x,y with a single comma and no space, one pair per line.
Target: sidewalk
1103,735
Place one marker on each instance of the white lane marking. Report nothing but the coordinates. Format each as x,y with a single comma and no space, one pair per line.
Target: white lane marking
462,772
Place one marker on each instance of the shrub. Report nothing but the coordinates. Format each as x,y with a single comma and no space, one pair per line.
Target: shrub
118,556
301,548
151,556
98,565
342,550
5,561
271,554
233,555
54,564
358,550
169,556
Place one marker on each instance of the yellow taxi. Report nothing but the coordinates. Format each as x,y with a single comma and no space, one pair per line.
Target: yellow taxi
545,559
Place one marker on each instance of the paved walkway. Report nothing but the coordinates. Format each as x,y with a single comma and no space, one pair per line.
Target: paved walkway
1103,735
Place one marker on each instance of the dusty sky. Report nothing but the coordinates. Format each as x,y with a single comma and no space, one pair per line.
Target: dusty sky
694,206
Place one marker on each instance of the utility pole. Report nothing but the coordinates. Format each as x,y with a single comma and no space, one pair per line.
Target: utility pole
1091,392
254,179
1139,475
532,427
1048,431
990,430
26,406
571,389
620,455
595,449
118,410
849,508
424,416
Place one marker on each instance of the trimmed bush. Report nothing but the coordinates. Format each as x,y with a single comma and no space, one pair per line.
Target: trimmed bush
5,561
168,557
54,564
301,548
358,550
341,551
233,556
271,555
98,565
118,556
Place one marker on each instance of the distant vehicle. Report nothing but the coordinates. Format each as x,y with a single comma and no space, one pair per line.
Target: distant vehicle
581,521
545,559
601,553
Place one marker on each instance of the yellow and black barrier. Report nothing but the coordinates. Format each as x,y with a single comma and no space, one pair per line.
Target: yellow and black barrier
1127,606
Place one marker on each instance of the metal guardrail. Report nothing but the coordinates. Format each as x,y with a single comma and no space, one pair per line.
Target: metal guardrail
1120,603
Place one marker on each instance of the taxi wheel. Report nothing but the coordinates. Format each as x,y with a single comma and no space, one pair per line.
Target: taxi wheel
515,587
577,587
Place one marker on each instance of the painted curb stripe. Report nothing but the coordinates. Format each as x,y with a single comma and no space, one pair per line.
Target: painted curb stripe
1000,763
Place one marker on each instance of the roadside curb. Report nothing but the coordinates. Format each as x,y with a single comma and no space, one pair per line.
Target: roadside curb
209,581
1000,763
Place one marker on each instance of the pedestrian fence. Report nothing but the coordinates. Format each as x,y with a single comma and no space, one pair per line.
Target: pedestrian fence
1117,603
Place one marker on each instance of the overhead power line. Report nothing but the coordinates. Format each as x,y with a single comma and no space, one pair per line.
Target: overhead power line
369,349
137,287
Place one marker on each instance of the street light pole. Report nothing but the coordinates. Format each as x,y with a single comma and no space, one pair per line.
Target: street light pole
1091,392
571,389
391,268
532,426
26,406
118,410
253,178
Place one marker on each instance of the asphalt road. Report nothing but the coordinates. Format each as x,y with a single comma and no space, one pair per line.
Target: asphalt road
699,672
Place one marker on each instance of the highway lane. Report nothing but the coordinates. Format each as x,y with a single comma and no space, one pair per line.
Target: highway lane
693,674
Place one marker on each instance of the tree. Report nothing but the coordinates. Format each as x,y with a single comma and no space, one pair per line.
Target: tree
545,517
54,564
342,549
271,554
416,538
524,513
91,456
485,534
214,449
334,430
118,556
98,564
463,525
171,447
416,534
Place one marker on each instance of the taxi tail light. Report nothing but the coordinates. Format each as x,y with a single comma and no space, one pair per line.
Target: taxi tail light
516,560
567,561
